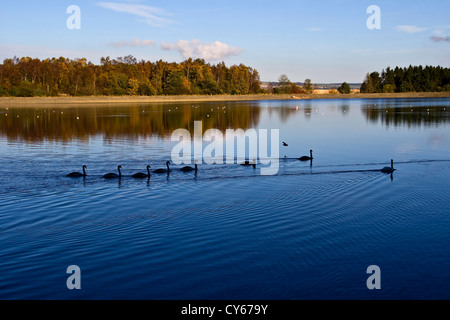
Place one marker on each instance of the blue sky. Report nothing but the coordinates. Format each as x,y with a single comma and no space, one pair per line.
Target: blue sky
326,41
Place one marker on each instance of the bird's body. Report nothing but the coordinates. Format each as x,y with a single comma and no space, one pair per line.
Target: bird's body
285,144
389,169
113,175
189,169
141,175
306,158
248,164
77,174
163,170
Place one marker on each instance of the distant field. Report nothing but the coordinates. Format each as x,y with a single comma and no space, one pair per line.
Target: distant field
62,101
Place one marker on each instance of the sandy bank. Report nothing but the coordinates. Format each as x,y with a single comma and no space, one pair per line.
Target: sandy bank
107,100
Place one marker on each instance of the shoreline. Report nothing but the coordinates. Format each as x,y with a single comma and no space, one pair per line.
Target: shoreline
22,101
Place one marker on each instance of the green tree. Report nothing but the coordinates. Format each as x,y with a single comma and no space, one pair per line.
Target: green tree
344,88
388,88
26,89
177,84
284,84
372,83
307,86
146,89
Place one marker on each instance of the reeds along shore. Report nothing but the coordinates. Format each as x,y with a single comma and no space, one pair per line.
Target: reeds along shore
63,100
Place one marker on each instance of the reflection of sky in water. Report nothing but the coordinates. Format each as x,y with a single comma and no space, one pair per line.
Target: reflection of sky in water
337,130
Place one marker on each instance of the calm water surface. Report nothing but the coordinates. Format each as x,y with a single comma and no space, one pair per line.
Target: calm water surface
309,232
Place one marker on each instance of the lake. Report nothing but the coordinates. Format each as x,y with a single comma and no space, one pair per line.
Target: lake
227,232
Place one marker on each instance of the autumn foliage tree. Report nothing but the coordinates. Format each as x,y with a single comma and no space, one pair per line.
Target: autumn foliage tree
123,76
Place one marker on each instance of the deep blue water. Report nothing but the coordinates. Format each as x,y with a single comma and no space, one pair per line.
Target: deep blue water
309,232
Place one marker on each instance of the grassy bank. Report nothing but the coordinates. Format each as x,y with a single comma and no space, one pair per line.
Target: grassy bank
62,101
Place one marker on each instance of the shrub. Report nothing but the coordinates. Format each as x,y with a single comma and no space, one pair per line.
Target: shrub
344,88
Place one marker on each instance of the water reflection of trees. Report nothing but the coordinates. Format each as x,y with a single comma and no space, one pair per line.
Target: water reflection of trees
130,122
413,116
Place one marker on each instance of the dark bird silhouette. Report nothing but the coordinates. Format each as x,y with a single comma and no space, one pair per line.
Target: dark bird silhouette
163,170
306,158
141,175
78,174
248,164
189,169
389,169
285,144
114,175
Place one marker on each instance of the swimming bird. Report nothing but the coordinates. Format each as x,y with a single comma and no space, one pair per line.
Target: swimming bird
78,174
306,158
189,169
248,164
141,175
114,175
285,144
163,170
389,169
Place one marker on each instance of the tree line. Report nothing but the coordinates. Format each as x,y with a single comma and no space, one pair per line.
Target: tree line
27,77
411,79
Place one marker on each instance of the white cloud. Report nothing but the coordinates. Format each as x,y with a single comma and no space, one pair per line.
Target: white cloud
133,43
196,49
151,15
410,29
